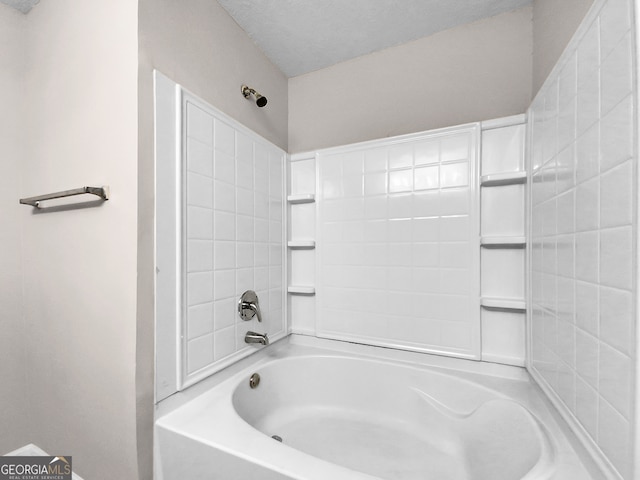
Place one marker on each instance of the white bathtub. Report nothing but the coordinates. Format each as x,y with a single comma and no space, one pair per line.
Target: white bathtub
353,412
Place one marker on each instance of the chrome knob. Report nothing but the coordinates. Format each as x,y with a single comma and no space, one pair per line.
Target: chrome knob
248,306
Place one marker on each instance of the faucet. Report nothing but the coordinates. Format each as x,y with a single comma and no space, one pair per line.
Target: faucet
248,306
253,337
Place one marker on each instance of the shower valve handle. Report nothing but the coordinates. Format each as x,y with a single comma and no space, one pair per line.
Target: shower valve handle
248,306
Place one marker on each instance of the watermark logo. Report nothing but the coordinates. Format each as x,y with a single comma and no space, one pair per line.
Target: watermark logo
35,468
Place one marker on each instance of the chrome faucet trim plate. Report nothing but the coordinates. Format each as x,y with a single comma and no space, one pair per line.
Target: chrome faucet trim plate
248,306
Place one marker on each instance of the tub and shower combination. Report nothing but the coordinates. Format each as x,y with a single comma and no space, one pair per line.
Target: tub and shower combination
384,271
356,396
311,409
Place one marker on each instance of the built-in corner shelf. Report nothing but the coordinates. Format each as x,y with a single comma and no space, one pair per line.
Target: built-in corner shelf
301,244
506,303
504,241
500,179
301,290
301,198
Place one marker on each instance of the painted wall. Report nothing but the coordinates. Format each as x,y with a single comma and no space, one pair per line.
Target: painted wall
13,432
583,221
554,23
469,73
198,45
80,264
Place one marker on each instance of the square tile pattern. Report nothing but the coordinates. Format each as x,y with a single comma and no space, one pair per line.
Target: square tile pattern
234,240
583,244
398,244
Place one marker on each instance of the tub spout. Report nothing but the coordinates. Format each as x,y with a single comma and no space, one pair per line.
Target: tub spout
253,337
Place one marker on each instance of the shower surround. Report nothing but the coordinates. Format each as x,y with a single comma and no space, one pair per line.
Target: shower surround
583,230
398,224
423,188
220,204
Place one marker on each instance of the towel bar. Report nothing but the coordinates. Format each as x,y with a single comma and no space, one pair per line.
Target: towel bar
102,192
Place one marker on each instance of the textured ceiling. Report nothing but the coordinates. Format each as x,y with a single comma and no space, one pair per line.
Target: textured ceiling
300,36
23,5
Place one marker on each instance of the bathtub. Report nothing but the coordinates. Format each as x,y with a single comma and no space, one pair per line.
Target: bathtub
326,410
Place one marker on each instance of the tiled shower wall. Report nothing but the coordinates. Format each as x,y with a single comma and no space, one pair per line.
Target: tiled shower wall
233,208
398,243
583,172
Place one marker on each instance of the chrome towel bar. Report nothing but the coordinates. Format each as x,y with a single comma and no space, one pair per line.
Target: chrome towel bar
102,192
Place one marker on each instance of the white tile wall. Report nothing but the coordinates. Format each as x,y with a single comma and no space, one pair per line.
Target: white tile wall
503,336
503,149
583,194
503,211
234,237
502,273
398,243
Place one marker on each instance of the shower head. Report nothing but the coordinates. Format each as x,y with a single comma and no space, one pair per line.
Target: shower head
261,101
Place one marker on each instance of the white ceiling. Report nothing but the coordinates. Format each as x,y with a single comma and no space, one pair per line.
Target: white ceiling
301,36
23,5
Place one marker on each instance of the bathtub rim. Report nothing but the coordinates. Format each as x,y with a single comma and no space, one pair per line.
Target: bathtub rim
299,344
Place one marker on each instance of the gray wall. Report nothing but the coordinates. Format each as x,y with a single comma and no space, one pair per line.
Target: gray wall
198,45
554,23
13,431
473,72
80,265
486,69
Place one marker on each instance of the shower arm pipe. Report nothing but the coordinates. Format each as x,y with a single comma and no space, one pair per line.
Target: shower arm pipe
102,192
246,91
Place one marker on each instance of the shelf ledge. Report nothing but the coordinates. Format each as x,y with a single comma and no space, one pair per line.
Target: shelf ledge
506,303
301,244
503,241
500,179
301,290
301,198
